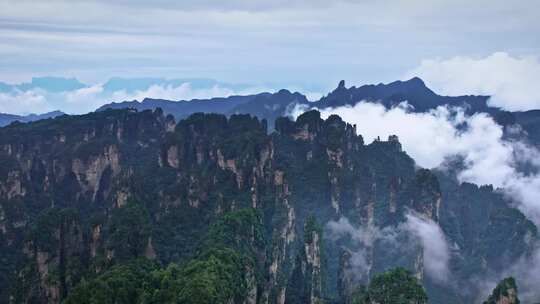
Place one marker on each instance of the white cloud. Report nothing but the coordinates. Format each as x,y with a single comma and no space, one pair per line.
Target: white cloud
435,248
27,102
527,273
511,81
525,270
427,137
363,238
364,235
243,40
435,251
489,158
182,92
82,100
432,137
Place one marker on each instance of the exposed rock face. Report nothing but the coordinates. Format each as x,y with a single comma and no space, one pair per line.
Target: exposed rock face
172,157
71,174
312,248
251,297
55,243
12,186
149,251
96,237
306,284
345,284
90,172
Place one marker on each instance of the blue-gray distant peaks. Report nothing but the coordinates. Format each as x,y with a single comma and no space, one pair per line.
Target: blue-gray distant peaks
47,83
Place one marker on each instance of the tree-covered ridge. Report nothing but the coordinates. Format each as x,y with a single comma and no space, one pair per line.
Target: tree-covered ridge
221,272
123,283
128,231
396,286
82,195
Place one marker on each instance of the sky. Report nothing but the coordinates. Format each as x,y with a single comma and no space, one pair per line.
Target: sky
309,45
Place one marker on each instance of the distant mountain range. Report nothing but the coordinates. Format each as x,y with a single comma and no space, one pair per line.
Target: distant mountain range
94,206
414,91
50,84
140,208
6,119
269,106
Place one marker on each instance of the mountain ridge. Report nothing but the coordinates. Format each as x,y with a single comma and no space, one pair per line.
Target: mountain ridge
6,119
281,103
414,91
65,184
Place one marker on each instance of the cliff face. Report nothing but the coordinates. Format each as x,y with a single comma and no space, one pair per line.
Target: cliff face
305,284
80,194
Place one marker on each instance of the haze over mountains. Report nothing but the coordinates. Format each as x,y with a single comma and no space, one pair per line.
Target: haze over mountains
6,119
69,95
272,105
264,105
209,152
498,147
179,174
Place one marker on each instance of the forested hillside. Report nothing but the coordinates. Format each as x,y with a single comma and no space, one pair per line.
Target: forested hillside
121,206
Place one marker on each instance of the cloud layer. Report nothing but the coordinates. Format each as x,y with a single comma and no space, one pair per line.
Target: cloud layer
512,81
435,248
432,137
264,40
24,102
426,232
88,99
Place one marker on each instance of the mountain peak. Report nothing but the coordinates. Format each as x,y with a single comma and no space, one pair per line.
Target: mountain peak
417,81
414,83
341,84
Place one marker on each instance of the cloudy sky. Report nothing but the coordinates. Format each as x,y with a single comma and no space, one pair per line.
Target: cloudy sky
304,44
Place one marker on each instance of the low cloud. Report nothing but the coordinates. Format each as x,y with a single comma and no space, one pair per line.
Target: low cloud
489,158
364,236
19,102
182,92
362,239
435,248
428,234
432,137
512,81
83,100
527,273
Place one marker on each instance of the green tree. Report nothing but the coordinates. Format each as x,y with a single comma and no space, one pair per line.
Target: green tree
217,274
129,230
396,286
215,278
122,284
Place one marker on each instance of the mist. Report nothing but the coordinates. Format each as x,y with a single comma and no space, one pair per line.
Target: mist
489,157
434,245
432,137
422,230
